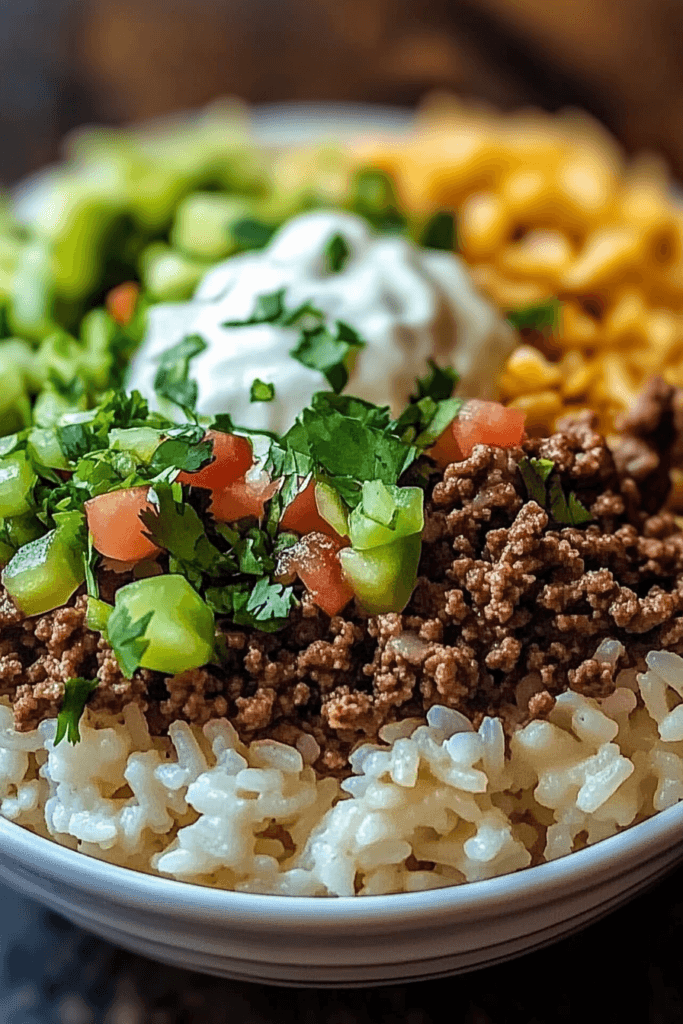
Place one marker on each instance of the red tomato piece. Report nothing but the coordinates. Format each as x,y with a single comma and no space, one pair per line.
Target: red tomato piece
115,524
232,457
121,302
315,561
302,516
241,499
479,422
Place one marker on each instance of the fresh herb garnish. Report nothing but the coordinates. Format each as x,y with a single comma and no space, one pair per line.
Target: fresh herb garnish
76,694
249,233
336,254
269,309
184,449
328,352
535,472
568,511
440,232
261,391
172,380
328,348
541,316
544,487
438,384
127,639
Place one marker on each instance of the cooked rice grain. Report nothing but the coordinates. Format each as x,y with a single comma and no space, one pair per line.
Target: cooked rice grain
435,804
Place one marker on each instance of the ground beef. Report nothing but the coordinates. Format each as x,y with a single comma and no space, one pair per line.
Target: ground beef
510,609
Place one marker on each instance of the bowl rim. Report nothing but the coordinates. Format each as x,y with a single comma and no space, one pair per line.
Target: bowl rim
135,888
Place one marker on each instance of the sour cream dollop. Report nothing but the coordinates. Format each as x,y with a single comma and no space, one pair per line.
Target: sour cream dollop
408,304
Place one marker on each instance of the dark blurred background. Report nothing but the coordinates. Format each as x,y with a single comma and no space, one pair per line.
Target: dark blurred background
66,62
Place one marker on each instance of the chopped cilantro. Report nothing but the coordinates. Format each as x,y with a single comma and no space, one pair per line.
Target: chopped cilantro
249,233
439,383
547,492
440,232
127,639
567,511
177,527
328,353
184,449
90,558
321,347
76,693
535,472
542,316
261,392
172,380
269,309
336,254
346,450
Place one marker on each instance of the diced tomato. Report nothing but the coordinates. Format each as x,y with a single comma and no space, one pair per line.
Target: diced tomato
479,422
232,457
121,302
115,524
241,499
315,561
302,516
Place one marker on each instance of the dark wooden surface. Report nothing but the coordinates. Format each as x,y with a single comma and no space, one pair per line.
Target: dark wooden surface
69,61
626,968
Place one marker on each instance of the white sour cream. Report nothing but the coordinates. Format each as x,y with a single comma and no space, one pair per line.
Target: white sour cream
408,304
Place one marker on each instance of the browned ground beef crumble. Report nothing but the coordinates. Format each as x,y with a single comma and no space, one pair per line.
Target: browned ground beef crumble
504,597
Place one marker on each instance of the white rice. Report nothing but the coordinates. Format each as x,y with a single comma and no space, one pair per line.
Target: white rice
433,804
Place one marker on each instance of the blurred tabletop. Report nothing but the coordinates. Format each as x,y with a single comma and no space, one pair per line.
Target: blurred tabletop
68,62
624,968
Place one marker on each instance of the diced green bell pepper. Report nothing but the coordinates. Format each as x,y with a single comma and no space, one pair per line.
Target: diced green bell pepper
17,479
385,514
383,578
180,632
44,574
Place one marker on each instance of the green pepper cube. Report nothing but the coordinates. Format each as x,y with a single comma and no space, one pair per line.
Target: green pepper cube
204,221
180,632
16,484
45,573
385,514
383,578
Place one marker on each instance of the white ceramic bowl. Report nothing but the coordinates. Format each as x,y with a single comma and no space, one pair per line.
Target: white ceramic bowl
336,941
370,940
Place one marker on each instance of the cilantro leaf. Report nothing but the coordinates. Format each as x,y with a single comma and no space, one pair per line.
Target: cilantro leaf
264,605
261,392
249,233
176,527
75,440
422,422
269,309
535,472
348,451
439,383
336,254
541,316
127,639
183,449
90,558
440,232
547,492
567,511
76,693
328,353
172,380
